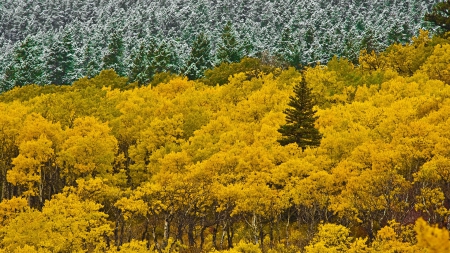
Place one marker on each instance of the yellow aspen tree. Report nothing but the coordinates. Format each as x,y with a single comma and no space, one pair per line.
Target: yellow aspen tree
330,238
11,117
431,239
11,208
160,134
389,239
35,167
437,64
88,150
65,224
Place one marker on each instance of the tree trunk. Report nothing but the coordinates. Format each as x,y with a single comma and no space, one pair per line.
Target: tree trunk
255,228
202,238
122,227
180,232
214,236
166,230
287,228
191,238
261,239
230,234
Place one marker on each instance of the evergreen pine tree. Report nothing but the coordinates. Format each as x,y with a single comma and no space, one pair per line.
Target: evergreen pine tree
300,118
69,57
368,42
113,59
138,66
26,66
165,58
440,16
90,65
288,50
60,61
148,63
229,50
200,58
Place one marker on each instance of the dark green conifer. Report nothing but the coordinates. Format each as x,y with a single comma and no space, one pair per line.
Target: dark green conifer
148,62
137,71
165,58
229,50
113,59
288,50
90,64
25,67
200,58
440,16
300,119
60,61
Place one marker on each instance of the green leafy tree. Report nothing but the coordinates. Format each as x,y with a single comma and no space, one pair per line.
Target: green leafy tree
229,49
440,16
300,119
200,57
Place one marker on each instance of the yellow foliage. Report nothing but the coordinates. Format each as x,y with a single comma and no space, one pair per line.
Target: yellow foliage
389,240
330,238
88,150
437,66
65,224
431,239
407,59
11,208
185,163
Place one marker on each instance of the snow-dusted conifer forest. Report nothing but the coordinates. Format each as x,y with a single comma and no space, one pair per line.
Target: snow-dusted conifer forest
59,41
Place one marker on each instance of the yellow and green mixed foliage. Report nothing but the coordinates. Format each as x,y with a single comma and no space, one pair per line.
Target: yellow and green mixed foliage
106,166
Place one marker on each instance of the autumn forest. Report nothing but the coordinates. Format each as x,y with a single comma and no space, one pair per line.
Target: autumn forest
214,163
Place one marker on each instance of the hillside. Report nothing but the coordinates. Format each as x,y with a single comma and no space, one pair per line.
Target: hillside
82,32
182,166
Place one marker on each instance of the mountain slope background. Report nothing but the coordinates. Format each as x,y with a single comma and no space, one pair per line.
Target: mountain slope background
314,30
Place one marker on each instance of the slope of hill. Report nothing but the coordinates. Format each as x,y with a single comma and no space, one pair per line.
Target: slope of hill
307,31
180,166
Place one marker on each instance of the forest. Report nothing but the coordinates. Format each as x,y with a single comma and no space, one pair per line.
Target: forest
237,153
104,165
60,41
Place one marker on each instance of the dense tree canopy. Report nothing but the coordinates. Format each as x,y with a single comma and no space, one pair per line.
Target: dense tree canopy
156,150
107,34
188,165
440,16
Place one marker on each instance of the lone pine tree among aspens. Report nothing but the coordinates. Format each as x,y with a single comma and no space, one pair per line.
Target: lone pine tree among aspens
300,118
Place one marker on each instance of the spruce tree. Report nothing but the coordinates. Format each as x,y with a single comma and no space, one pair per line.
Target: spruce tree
165,58
69,57
138,66
200,58
148,62
288,50
90,64
113,59
26,66
440,16
300,118
229,50
60,61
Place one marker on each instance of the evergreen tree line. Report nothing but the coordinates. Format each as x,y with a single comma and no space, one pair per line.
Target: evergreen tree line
93,35
59,64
